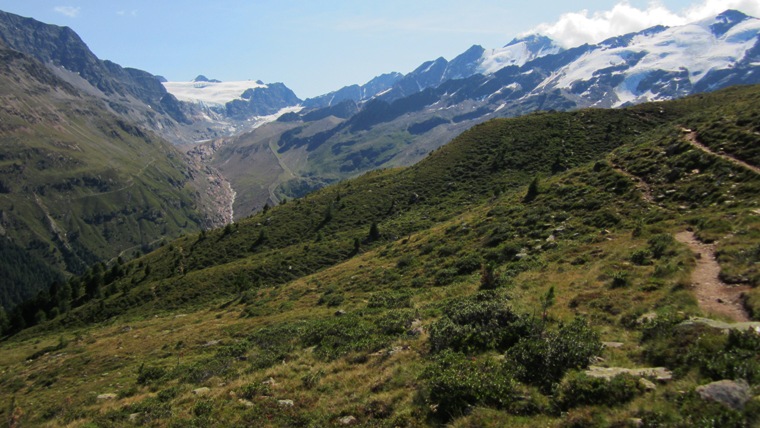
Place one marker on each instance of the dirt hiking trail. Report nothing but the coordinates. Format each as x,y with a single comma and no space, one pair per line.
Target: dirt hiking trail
714,296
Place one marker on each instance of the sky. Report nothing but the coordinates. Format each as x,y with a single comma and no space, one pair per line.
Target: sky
315,47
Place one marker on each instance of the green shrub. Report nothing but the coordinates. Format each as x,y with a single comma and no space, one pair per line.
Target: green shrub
404,261
203,409
472,325
252,390
395,322
543,359
168,394
331,298
660,245
467,264
717,355
455,382
390,300
578,389
738,358
619,279
150,374
235,350
336,337
445,276
641,257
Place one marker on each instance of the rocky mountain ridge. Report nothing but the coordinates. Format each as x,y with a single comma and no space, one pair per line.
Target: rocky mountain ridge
425,108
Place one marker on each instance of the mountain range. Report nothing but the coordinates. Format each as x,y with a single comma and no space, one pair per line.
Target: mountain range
352,130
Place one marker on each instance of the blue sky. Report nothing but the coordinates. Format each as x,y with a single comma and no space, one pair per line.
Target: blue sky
318,46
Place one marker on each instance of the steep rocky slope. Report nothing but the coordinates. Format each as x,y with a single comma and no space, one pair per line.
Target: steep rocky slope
80,185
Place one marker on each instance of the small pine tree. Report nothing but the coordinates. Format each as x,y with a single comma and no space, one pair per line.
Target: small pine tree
263,237
40,317
488,277
374,232
546,302
5,322
357,245
328,214
532,192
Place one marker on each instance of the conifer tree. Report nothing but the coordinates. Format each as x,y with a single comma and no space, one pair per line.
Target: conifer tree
532,192
374,232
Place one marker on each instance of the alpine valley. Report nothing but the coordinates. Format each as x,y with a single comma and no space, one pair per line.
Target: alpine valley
522,236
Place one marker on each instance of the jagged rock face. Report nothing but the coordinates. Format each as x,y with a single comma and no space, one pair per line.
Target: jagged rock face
355,93
261,101
62,47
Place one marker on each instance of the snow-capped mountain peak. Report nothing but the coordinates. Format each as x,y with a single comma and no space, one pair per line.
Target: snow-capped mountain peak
722,23
658,63
517,52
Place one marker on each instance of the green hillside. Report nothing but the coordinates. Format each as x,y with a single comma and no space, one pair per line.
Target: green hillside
472,289
79,185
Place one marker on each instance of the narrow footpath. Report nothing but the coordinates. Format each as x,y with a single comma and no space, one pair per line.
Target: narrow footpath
714,296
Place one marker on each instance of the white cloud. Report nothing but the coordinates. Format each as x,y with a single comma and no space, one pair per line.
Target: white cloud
127,13
70,11
576,28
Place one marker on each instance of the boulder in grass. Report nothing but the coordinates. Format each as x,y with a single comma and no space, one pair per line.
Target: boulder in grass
730,393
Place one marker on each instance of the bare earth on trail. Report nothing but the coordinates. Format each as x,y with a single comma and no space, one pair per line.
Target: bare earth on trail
691,138
714,296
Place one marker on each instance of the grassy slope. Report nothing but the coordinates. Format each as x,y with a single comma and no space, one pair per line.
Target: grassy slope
234,307
79,185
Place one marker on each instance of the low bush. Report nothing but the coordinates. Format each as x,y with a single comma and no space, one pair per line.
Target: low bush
737,358
253,390
473,325
204,370
578,389
660,245
149,374
390,300
273,344
467,264
445,276
543,359
455,382
336,337
395,322
331,298
641,257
